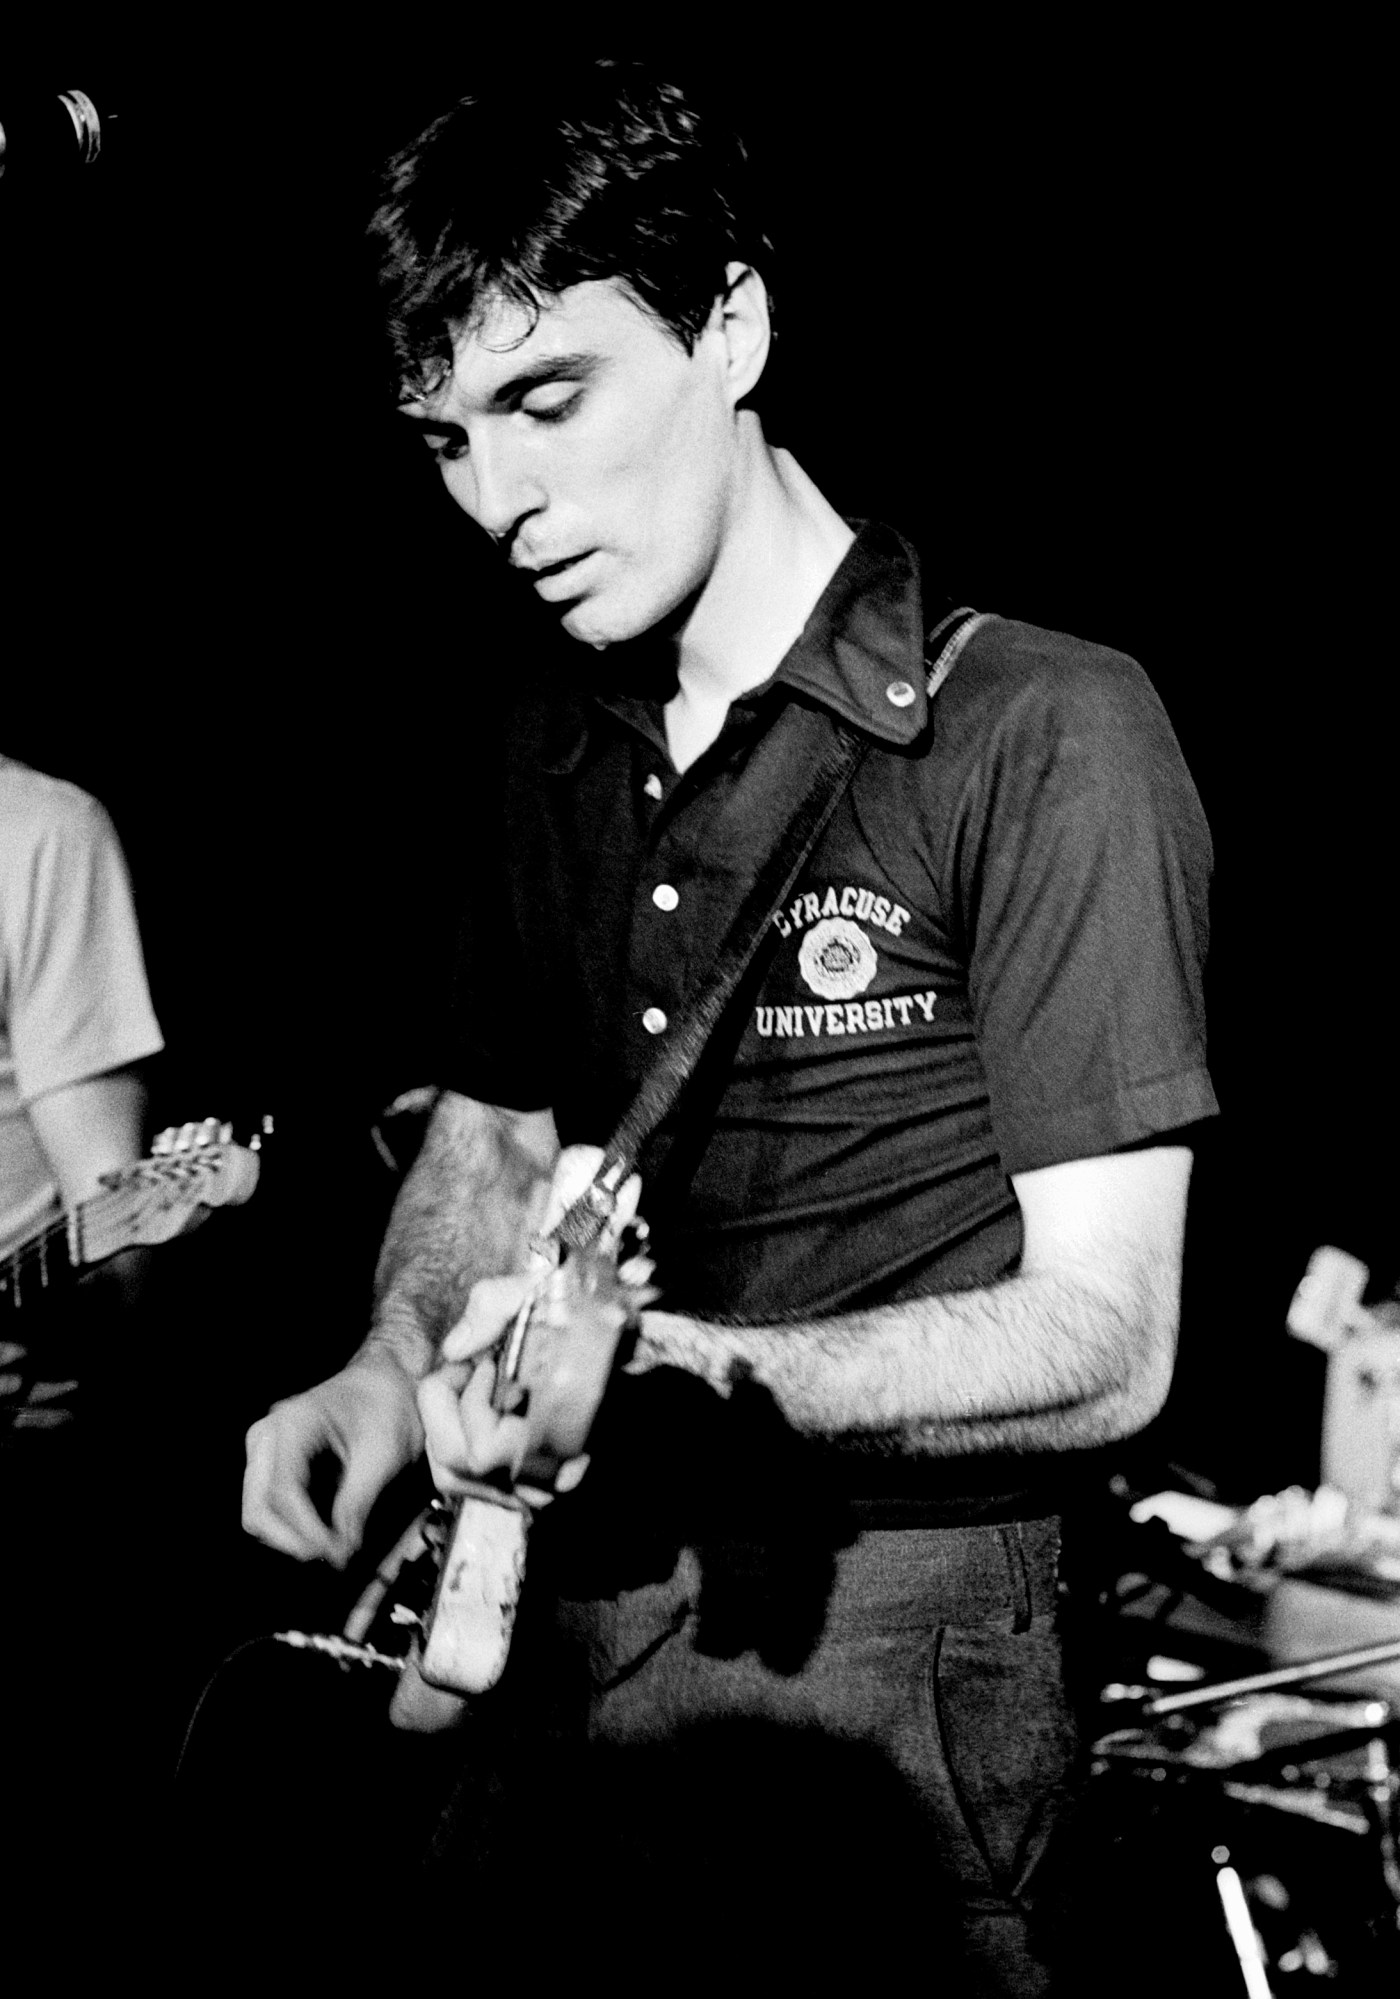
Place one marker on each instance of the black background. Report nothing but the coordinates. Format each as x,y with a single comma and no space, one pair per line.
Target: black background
1098,324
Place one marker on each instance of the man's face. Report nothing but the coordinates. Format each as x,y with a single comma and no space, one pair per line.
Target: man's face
595,450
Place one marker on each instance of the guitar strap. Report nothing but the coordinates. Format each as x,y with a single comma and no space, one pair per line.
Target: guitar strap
822,783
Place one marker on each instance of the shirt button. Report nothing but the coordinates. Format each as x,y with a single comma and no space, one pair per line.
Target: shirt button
900,693
664,896
652,787
654,1020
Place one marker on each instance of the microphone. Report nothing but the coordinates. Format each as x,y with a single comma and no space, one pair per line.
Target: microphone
53,132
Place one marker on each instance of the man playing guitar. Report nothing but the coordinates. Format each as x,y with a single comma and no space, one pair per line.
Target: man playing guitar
917,1226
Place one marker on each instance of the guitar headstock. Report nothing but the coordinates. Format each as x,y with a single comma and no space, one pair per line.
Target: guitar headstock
190,1169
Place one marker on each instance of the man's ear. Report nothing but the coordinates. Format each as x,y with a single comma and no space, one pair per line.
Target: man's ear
748,332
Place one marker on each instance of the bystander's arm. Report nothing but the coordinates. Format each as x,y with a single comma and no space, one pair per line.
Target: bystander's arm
90,1128
86,1129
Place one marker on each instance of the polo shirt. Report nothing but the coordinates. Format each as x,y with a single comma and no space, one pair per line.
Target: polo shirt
991,961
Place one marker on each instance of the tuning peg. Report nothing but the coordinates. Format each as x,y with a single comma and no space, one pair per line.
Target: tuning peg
190,1137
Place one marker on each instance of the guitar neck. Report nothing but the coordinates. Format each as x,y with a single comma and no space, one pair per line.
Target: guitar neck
40,1266
151,1202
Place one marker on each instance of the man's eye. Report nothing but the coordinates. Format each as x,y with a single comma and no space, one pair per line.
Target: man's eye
447,450
551,405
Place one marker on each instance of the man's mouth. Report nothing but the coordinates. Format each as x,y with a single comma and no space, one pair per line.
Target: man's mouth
548,568
550,574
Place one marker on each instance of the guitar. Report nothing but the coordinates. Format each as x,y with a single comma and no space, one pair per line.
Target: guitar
552,1370
190,1170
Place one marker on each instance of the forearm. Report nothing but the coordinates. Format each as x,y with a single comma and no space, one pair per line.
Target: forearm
1043,1362
464,1212
90,1128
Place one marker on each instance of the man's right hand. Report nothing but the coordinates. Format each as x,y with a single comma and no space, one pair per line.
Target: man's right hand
367,1415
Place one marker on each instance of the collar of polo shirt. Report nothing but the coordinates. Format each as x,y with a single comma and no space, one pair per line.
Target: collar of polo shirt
860,654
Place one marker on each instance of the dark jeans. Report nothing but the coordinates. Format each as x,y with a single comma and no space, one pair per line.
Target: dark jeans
816,1760
755,1805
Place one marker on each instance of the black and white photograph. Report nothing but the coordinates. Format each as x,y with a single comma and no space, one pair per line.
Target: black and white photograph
699,1248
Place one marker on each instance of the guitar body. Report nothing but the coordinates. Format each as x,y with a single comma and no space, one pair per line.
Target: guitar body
473,1613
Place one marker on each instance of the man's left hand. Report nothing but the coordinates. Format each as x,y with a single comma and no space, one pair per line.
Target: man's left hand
466,1438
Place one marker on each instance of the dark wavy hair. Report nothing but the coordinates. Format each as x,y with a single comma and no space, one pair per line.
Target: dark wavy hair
604,170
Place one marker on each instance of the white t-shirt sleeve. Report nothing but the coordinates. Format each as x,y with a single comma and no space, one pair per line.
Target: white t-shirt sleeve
78,1002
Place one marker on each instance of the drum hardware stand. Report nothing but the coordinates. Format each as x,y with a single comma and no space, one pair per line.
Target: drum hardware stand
1380,1780
1272,1678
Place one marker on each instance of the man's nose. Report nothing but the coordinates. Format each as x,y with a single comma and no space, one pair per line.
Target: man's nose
491,485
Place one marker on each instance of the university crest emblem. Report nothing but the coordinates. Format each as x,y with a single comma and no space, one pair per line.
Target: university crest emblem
837,959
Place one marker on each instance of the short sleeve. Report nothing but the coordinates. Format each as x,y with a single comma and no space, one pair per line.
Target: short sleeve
78,1003
1084,883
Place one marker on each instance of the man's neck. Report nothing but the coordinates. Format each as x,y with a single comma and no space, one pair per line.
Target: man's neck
782,545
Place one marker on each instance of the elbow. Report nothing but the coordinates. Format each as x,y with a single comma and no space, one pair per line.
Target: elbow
1142,1394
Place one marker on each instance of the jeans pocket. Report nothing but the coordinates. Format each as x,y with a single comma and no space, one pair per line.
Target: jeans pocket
1005,1740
